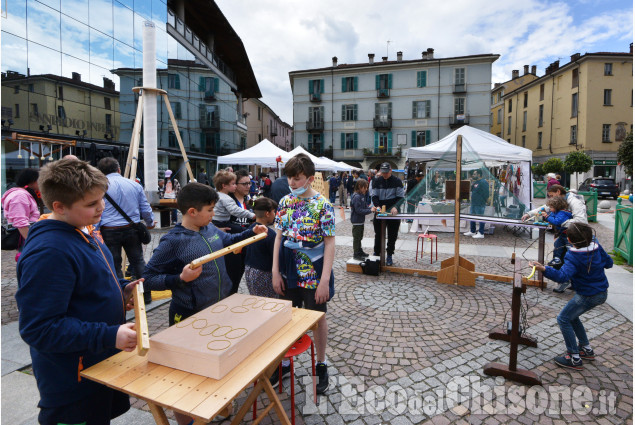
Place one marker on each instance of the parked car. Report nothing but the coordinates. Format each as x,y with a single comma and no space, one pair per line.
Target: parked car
603,186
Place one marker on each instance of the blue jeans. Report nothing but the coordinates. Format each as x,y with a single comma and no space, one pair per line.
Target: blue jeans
332,195
125,238
478,210
559,245
569,319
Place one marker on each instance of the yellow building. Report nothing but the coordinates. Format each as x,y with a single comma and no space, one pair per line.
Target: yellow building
585,105
61,106
499,90
264,123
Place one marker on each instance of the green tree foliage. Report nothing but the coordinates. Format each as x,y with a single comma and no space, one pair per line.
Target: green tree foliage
537,171
625,154
577,162
553,165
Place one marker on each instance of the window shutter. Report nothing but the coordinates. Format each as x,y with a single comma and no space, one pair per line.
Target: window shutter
376,110
414,110
201,139
216,82
419,78
177,82
414,139
424,77
377,82
217,141
201,83
354,140
321,86
321,113
343,112
310,86
355,111
354,83
390,81
389,109
321,140
343,140
428,137
390,142
428,108
343,84
376,142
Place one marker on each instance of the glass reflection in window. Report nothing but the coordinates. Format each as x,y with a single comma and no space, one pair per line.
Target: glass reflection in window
43,25
75,38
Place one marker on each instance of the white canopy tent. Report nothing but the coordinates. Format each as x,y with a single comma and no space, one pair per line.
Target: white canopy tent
320,164
477,147
263,154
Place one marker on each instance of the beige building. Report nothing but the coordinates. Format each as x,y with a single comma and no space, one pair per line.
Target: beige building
585,105
499,90
263,123
61,106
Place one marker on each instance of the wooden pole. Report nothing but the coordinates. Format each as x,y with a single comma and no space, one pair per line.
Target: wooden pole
178,137
457,208
221,252
141,320
133,149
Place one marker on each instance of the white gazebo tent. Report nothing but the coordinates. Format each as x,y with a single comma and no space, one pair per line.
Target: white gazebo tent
488,148
263,154
320,164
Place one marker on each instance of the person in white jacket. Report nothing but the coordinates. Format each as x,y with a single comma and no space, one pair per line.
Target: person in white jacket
225,183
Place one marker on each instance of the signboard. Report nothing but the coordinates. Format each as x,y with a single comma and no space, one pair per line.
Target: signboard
401,140
604,162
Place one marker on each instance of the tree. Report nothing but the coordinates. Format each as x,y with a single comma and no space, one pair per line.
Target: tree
625,154
537,171
577,162
553,165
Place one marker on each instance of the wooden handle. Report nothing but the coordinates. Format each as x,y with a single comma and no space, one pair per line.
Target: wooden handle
227,250
143,336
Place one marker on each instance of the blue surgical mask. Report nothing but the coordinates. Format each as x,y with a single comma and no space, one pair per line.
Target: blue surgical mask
299,191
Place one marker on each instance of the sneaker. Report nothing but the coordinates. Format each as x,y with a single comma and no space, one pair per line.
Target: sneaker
363,253
389,260
478,236
274,380
555,263
587,354
569,362
359,257
323,378
560,289
469,234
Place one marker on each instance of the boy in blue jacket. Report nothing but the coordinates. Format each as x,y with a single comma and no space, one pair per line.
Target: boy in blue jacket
72,305
584,267
558,214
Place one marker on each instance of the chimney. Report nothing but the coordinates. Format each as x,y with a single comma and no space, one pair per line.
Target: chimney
526,70
77,76
497,85
430,53
575,57
108,83
514,74
384,58
533,69
424,54
631,50
556,65
334,61
399,56
371,58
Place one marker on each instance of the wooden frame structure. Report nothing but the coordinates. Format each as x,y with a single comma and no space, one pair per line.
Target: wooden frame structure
18,138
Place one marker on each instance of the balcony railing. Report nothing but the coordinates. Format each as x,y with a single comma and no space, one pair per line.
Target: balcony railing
315,126
382,123
315,97
383,151
457,121
209,96
274,133
210,124
383,93
460,88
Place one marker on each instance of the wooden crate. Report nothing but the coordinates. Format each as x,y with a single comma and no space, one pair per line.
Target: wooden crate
212,342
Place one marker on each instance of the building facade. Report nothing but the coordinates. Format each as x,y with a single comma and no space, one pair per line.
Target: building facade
497,124
369,113
584,105
264,123
68,69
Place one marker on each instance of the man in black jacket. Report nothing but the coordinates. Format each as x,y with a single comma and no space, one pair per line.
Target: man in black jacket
387,191
478,201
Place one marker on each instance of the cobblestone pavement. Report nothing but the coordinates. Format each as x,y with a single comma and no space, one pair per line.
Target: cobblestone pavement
403,349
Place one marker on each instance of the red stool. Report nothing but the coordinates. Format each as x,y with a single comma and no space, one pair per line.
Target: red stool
422,237
298,348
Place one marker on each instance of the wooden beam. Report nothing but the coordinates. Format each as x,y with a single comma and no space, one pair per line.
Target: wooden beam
457,207
141,320
227,250
178,136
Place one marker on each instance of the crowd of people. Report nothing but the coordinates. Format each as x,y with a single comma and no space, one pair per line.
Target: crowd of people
96,213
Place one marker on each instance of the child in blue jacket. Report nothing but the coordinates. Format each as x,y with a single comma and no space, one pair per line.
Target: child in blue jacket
72,305
557,215
359,211
584,267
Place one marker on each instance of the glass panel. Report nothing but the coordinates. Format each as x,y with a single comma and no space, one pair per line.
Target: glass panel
54,4
124,56
42,60
143,8
13,54
162,46
138,31
43,25
75,41
159,12
100,15
124,24
71,64
77,9
128,3
97,75
15,21
101,49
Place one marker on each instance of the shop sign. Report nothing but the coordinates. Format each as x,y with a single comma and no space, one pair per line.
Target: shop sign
604,162
74,123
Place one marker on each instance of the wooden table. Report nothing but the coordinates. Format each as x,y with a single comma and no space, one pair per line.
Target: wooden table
197,396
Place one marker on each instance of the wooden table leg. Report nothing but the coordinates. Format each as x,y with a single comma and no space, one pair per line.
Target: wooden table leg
273,398
248,403
158,413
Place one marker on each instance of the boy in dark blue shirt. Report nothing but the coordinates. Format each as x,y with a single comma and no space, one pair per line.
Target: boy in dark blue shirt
259,255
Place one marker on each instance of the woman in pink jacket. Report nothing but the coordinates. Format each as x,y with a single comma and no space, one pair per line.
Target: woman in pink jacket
20,204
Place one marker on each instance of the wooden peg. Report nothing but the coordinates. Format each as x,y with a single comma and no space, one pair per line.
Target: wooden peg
143,336
231,248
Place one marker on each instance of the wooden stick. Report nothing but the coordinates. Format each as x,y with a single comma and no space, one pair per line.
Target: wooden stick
227,250
178,137
143,336
457,207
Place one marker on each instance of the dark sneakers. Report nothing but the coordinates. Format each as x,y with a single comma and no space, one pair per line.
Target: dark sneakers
360,256
569,362
560,289
389,260
274,380
587,354
323,378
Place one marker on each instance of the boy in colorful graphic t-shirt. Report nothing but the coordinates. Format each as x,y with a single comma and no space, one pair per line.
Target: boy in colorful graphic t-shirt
304,251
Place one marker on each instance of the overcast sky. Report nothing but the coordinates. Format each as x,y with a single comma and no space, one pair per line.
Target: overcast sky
284,35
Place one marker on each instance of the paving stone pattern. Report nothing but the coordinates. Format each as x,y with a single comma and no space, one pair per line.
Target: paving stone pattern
397,341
